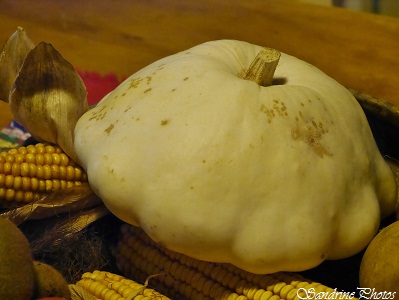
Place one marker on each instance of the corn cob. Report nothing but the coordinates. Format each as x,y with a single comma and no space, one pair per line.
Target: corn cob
109,286
186,278
27,173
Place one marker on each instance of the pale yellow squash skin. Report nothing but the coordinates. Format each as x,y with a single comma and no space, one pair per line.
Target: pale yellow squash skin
269,179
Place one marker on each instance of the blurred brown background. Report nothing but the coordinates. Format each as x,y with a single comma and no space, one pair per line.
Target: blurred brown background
383,7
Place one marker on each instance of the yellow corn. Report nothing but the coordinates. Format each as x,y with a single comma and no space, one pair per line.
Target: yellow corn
26,173
187,278
109,286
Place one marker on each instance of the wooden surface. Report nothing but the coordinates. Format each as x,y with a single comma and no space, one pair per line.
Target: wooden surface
360,50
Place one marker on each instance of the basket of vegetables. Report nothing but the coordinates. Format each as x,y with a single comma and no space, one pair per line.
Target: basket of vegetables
225,171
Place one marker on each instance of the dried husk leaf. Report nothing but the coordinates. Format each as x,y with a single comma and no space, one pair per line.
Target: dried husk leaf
378,107
48,97
140,290
66,227
74,199
12,56
79,293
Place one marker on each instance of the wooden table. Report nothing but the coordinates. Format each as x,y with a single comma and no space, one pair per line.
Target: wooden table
359,50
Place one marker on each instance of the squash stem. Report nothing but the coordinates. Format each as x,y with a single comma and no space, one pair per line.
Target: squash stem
263,67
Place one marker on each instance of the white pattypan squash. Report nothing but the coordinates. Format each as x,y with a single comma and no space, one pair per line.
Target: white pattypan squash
269,175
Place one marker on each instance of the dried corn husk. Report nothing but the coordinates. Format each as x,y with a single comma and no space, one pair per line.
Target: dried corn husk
68,226
378,107
71,200
79,293
12,56
48,97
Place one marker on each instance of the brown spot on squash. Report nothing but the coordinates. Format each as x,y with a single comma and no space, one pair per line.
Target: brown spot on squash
135,82
99,115
164,122
109,129
311,133
278,109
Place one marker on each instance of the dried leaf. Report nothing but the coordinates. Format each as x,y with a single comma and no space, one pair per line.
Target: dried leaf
67,227
139,291
74,199
12,56
378,107
48,97
79,293
84,219
135,293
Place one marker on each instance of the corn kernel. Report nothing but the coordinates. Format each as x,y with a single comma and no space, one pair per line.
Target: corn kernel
136,254
36,169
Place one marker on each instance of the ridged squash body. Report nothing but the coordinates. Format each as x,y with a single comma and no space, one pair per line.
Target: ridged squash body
268,178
